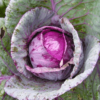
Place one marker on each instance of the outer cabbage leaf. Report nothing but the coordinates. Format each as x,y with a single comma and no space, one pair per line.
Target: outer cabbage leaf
78,53
23,88
17,8
88,90
5,57
83,14
94,20
3,54
77,11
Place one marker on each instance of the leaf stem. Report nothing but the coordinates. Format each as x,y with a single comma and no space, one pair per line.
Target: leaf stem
71,9
58,2
64,5
53,5
79,16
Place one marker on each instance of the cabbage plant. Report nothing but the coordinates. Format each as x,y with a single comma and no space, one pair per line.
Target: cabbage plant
52,48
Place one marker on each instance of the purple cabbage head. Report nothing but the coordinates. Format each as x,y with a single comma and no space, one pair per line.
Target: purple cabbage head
52,51
52,47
